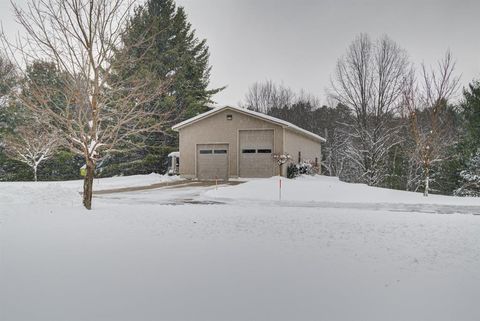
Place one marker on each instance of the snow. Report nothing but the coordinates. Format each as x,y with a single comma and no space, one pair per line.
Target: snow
91,147
171,73
169,254
322,189
3,101
174,154
132,181
68,193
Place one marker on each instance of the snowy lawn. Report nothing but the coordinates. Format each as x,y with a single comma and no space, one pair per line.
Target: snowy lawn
137,256
68,192
330,189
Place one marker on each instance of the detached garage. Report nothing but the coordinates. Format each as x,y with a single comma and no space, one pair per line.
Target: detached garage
235,142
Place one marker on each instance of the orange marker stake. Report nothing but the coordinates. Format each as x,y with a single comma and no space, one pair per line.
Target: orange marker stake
280,189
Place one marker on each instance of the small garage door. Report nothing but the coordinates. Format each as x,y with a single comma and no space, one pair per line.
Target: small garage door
256,153
212,161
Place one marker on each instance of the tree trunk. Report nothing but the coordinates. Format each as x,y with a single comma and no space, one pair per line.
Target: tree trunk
35,173
427,181
88,185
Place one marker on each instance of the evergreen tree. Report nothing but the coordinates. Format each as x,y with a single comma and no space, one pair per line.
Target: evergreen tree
175,55
471,112
9,169
470,178
8,79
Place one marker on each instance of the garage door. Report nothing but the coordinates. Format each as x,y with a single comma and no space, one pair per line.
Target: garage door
256,158
212,161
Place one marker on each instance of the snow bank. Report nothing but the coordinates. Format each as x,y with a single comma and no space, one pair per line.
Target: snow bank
68,192
330,189
132,181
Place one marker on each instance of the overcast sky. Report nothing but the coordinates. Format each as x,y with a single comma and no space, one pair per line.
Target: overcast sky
298,42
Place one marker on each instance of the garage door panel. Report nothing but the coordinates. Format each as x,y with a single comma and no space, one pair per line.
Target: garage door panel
256,153
212,161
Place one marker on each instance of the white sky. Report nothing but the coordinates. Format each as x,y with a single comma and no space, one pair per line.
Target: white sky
298,42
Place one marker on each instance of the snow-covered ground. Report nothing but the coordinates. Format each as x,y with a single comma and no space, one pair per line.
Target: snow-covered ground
330,189
327,251
68,192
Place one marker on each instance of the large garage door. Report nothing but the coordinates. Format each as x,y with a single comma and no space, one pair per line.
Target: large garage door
256,158
212,161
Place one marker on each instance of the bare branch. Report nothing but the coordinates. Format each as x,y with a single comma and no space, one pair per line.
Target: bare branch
93,108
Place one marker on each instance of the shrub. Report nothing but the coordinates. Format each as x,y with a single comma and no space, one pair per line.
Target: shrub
292,170
303,168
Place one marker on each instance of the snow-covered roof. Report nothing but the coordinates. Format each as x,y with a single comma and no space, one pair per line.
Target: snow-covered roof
174,154
268,118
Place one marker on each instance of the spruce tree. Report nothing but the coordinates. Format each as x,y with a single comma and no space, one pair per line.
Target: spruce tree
471,112
8,79
175,55
178,57
468,148
470,178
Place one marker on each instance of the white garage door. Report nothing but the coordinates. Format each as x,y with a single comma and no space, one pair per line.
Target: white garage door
212,161
256,153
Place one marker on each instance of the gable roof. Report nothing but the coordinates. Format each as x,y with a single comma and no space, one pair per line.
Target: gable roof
252,113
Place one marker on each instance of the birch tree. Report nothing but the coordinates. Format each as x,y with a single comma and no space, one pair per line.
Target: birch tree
428,97
99,111
31,144
369,80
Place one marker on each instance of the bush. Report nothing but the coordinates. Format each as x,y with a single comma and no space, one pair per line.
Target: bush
63,166
13,170
303,168
154,160
292,171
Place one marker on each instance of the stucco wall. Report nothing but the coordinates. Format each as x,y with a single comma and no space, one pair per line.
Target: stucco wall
217,129
309,148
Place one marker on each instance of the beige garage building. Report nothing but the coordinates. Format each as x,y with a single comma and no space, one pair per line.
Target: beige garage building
236,142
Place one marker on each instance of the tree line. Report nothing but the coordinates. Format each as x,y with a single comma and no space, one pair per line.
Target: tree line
390,124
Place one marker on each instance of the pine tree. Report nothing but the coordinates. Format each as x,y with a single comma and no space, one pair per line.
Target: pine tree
25,139
471,112
8,80
176,56
470,178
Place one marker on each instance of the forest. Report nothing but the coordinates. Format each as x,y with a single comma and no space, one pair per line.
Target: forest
106,101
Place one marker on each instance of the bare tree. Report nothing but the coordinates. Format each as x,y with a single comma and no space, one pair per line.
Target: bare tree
99,110
369,81
262,97
426,102
334,150
31,144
